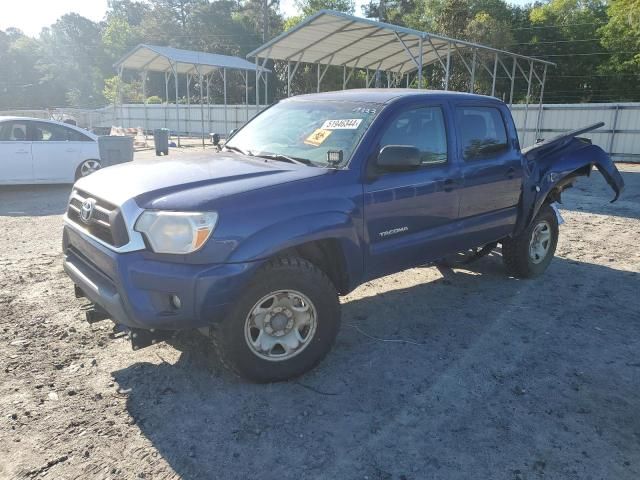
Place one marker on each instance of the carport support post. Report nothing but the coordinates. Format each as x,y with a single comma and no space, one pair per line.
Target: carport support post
246,92
420,64
495,74
513,78
540,108
187,117
266,87
208,103
446,75
526,104
118,100
288,79
166,96
473,72
144,99
224,88
174,67
201,106
318,75
257,87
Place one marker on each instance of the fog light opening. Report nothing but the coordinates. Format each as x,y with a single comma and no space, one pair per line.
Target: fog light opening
175,301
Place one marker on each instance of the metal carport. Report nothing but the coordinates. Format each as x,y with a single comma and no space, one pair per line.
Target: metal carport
173,61
331,38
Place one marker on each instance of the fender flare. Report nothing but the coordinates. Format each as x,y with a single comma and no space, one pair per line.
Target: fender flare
295,231
549,173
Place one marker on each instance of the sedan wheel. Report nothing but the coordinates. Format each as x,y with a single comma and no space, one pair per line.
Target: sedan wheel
88,167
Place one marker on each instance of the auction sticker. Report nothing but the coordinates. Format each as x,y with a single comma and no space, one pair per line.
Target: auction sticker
343,124
317,137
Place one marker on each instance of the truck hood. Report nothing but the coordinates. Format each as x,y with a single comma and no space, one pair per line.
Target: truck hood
154,183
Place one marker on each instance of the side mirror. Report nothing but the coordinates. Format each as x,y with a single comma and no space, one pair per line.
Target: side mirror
399,157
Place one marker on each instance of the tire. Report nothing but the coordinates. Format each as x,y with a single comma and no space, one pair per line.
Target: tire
520,256
287,290
87,168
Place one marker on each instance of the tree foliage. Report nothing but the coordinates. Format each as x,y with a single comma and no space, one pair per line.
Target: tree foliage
596,44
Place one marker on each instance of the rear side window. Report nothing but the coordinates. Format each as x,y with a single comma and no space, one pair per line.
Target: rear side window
75,136
13,131
422,128
482,132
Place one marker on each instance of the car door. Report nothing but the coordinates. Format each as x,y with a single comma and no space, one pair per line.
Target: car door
16,162
55,157
410,215
492,172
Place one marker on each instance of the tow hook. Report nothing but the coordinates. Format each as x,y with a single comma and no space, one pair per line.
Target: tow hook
141,338
95,314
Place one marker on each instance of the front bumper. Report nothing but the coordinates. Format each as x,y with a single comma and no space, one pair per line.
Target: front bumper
135,290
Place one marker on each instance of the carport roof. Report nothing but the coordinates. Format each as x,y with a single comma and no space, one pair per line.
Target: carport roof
160,59
335,38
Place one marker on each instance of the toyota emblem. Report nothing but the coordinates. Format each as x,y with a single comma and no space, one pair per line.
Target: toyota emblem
86,212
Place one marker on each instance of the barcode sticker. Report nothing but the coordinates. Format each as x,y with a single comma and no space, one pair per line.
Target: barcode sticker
343,124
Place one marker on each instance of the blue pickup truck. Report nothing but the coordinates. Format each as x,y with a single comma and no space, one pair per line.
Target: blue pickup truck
319,193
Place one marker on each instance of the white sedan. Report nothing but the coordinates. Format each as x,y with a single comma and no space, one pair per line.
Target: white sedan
43,151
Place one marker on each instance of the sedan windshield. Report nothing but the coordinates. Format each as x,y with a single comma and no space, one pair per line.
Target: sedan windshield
306,131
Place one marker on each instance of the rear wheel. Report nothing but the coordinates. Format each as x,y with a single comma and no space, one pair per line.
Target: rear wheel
284,324
87,168
530,253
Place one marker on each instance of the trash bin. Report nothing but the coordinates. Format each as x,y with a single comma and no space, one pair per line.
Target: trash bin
114,150
161,140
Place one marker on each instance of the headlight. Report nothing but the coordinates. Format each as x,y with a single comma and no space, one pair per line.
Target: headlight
176,232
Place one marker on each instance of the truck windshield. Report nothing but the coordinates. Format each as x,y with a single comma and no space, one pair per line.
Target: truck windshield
306,131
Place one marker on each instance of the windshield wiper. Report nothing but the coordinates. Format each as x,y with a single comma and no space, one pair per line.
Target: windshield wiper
236,149
285,158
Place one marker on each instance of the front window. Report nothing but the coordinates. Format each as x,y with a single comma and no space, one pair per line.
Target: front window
313,132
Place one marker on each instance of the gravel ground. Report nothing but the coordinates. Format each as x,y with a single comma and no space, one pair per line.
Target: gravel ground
462,373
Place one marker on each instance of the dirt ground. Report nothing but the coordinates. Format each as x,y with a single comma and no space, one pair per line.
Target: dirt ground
447,374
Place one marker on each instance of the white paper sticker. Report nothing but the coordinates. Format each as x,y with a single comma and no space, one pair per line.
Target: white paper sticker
343,124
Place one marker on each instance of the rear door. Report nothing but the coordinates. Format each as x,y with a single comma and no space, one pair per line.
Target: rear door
55,156
492,172
16,163
410,216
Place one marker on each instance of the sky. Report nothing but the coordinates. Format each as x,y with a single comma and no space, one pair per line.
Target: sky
31,16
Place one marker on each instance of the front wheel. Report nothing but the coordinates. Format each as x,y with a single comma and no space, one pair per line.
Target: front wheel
284,324
87,168
530,253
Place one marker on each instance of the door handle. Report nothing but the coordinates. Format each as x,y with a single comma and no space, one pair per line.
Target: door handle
22,151
510,173
70,150
449,184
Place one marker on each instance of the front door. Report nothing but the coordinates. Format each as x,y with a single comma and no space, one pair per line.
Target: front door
16,164
410,215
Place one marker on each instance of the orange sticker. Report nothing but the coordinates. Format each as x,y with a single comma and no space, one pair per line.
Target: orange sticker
317,137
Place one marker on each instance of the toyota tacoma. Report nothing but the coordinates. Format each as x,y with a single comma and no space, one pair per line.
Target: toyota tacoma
253,244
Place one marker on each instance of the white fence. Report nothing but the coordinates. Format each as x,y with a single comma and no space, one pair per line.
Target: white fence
189,120
620,136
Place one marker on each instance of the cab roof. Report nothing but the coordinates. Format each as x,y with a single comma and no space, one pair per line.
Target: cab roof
389,95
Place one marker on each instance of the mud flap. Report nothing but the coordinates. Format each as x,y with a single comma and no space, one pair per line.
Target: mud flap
554,205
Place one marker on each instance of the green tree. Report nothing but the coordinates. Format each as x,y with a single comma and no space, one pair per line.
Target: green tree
621,36
309,7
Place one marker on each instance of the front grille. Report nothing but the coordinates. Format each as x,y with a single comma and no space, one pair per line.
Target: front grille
106,221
